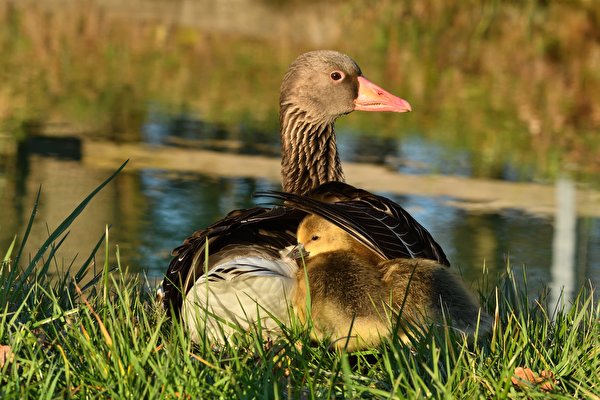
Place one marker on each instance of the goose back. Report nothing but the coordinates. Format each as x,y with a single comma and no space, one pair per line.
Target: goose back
258,231
375,221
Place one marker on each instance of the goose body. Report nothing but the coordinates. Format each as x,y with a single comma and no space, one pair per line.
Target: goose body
234,271
241,292
234,275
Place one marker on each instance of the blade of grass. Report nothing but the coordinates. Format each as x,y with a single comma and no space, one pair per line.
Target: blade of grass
107,338
59,230
106,267
69,220
84,267
51,255
9,251
29,225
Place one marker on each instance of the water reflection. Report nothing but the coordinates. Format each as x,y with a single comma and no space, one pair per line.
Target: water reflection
186,129
151,211
179,204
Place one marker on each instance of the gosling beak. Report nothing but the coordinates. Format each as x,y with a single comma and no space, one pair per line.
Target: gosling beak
298,251
373,98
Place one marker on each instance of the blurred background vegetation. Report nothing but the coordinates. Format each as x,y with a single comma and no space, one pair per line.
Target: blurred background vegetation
507,90
512,81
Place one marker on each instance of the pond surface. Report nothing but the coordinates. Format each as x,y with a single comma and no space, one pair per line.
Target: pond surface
151,210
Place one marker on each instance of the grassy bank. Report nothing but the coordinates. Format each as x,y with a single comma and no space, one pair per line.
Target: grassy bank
511,81
96,332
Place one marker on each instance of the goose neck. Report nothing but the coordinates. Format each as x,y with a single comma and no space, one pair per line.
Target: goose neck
309,151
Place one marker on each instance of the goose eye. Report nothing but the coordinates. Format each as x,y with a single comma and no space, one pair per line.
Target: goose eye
315,237
336,75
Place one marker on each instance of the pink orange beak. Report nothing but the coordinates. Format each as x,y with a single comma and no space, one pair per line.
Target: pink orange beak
373,98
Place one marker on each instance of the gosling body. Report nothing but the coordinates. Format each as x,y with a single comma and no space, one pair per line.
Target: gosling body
356,296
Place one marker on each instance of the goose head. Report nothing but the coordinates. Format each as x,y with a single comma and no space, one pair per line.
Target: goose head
316,236
326,84
319,87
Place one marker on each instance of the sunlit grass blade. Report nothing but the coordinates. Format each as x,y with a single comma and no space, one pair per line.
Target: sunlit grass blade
9,252
51,255
18,284
83,270
29,225
74,214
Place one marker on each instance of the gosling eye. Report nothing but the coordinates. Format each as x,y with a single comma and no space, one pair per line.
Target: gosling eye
315,237
336,75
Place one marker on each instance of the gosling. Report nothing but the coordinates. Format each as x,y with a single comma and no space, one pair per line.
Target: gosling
354,297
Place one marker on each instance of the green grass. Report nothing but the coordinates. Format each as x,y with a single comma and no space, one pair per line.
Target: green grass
89,335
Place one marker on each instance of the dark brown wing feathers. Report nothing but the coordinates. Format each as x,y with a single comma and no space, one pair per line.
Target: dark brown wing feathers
271,228
375,221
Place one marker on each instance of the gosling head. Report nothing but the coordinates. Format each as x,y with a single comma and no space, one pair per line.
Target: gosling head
317,236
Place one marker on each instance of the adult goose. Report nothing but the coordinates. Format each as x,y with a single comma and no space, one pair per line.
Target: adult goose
235,274
355,295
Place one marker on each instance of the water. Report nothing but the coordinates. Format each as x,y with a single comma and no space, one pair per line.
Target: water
151,210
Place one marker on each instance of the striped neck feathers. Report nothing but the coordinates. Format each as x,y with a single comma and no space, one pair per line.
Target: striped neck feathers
309,155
